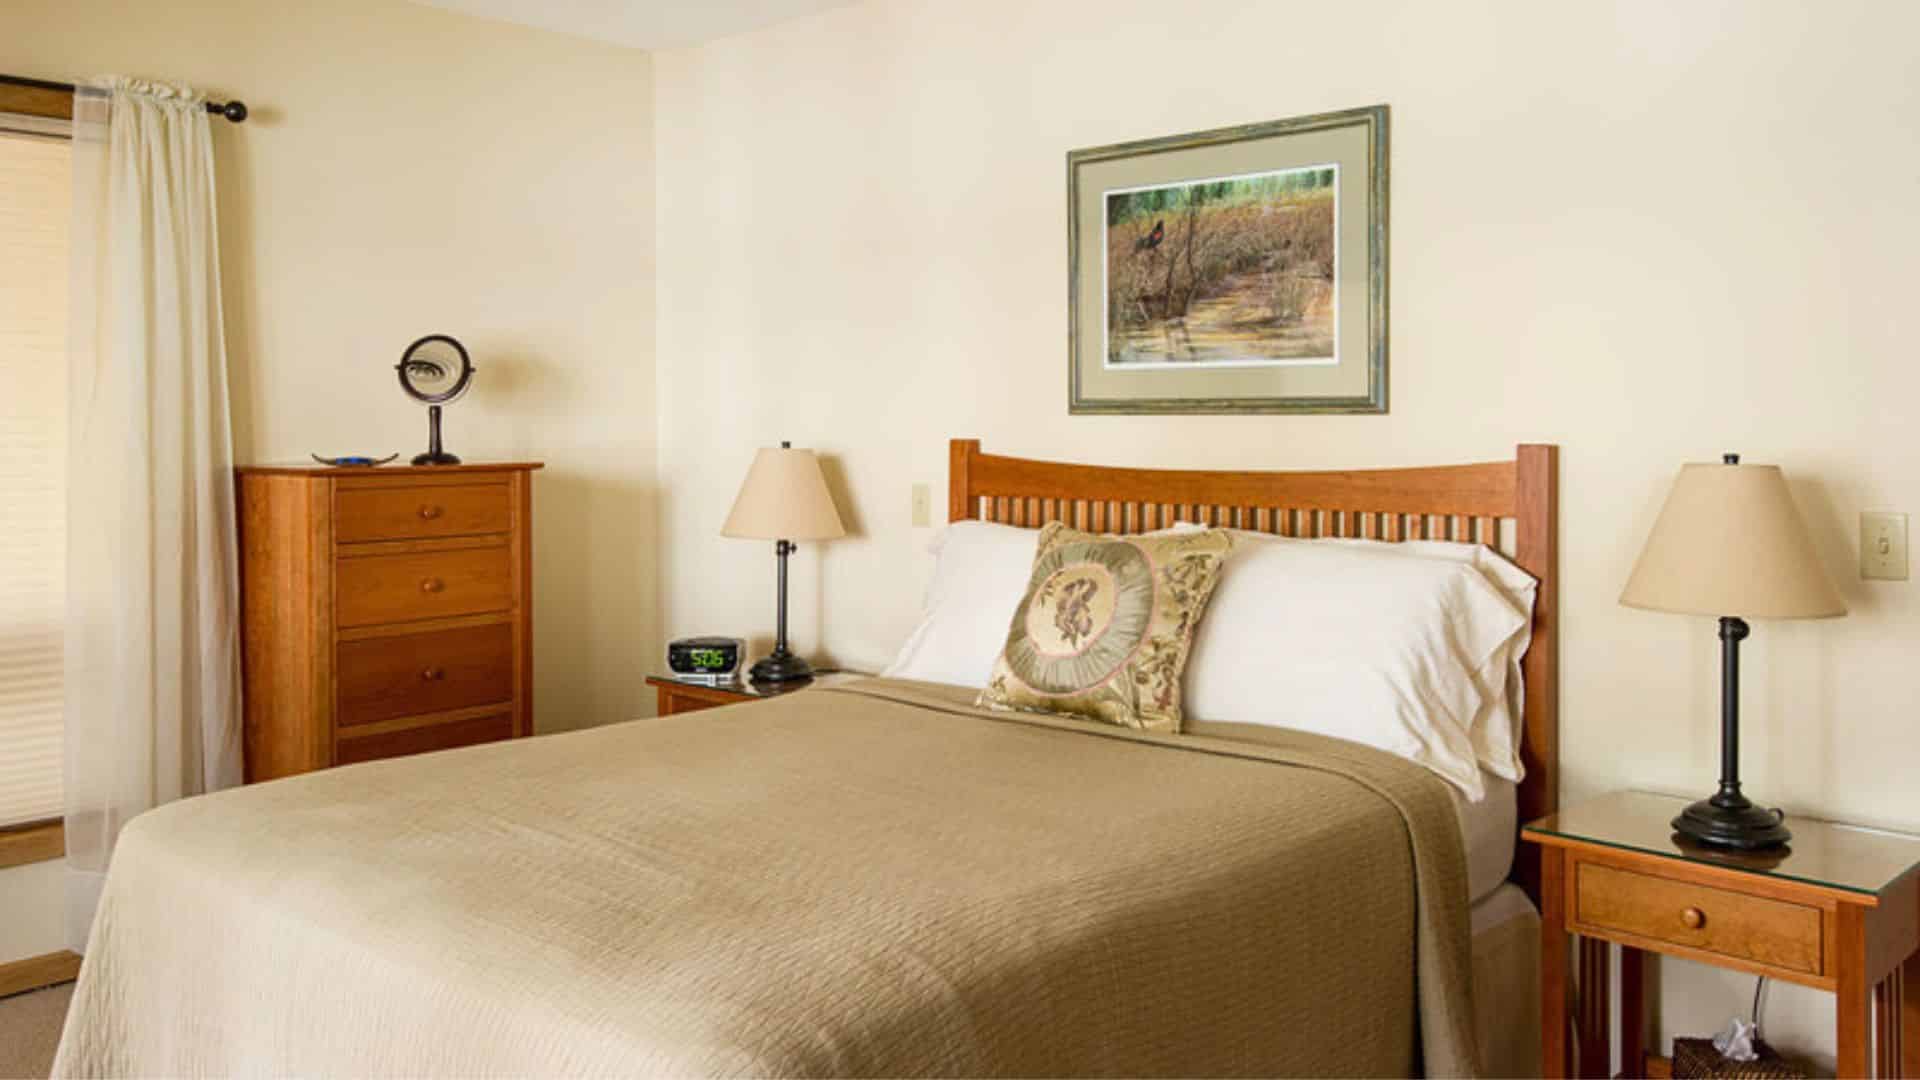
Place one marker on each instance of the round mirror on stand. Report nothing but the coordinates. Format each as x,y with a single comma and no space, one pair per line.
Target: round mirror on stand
434,371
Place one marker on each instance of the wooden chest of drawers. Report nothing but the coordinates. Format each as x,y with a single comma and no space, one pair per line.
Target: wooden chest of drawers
385,611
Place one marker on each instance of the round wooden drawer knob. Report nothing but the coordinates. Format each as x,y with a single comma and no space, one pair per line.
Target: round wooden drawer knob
1693,918
433,674
429,512
432,585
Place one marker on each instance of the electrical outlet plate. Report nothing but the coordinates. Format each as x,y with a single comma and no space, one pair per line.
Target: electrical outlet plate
922,505
1883,546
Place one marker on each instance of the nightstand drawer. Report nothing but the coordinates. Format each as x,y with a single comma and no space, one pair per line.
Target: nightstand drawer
674,700
1774,933
423,585
400,512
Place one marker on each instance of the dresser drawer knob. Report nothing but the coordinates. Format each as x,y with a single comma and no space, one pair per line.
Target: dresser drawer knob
1693,918
428,513
432,585
433,674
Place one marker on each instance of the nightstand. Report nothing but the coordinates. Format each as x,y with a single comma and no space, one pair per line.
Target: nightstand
1839,909
674,696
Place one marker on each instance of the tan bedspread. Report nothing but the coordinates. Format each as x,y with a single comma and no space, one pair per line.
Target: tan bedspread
860,881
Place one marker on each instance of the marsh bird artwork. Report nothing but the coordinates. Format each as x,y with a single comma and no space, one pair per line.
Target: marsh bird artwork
1238,271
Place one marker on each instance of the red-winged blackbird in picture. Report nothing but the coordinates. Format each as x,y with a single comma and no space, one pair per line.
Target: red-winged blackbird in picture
1152,239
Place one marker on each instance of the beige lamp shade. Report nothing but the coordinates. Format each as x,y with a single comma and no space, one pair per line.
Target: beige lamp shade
1730,542
784,498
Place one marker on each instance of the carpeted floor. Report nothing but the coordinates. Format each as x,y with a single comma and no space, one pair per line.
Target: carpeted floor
30,1031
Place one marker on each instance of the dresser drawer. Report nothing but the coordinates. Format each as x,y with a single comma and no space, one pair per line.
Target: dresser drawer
420,740
1774,933
412,674
373,589
397,512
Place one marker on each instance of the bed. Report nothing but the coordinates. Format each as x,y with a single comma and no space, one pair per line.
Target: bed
876,878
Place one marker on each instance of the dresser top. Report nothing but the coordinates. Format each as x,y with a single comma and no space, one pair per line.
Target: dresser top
311,468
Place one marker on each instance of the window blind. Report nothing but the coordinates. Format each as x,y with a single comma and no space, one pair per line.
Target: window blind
35,181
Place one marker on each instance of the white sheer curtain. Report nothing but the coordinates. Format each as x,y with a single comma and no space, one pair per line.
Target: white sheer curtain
152,669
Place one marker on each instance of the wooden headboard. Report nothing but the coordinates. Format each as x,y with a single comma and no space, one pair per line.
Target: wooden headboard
1511,506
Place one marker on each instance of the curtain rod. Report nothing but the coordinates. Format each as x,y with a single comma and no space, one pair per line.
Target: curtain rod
235,111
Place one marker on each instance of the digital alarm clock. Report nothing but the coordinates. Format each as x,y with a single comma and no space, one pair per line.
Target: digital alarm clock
709,660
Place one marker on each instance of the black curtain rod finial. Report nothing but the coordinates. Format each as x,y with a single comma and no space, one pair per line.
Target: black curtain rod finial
235,111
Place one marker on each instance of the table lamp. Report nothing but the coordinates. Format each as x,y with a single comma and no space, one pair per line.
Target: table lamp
1730,539
783,499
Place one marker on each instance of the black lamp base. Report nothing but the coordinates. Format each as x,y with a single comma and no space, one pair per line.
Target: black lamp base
780,667
433,458
1732,823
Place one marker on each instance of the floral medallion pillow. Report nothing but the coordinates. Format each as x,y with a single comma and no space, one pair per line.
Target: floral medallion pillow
1104,629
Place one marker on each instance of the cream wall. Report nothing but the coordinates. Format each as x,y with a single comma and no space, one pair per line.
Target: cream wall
1649,232
408,171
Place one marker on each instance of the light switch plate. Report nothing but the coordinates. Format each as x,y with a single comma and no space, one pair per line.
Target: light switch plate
922,505
1883,546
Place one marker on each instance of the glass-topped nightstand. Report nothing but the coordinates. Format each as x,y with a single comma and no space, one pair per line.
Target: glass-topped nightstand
1839,909
678,696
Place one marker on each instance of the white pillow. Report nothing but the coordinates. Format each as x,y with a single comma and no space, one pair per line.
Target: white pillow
1496,731
1379,648
979,575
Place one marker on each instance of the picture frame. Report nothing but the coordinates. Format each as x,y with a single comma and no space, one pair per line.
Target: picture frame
1238,270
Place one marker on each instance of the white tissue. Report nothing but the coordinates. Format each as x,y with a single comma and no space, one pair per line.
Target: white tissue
1736,1043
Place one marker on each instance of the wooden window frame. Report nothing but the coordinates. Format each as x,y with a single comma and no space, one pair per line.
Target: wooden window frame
39,841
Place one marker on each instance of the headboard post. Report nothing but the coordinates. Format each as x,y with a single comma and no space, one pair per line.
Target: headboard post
961,506
1537,551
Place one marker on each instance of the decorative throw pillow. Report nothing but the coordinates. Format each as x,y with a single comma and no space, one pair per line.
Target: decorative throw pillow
1104,629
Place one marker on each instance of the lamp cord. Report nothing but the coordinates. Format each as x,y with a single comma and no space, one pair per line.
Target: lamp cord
1759,985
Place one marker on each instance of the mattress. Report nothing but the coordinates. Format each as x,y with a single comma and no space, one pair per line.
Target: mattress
1501,906
1490,828
871,880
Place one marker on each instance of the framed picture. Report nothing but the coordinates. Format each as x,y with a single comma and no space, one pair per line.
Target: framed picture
1242,270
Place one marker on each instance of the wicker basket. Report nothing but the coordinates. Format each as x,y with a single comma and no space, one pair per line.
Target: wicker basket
1697,1057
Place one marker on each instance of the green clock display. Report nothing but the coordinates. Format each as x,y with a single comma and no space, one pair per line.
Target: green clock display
706,659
